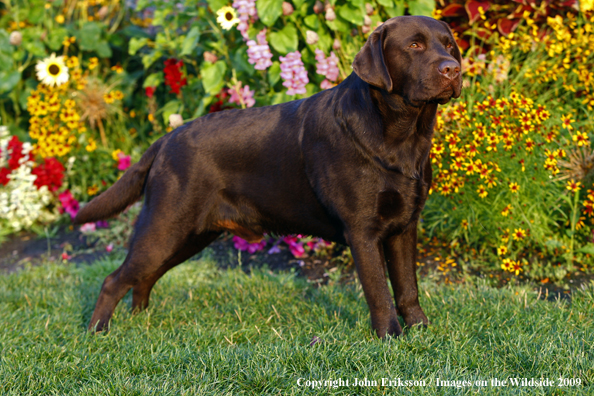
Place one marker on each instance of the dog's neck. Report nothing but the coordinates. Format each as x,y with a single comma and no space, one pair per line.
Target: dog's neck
407,129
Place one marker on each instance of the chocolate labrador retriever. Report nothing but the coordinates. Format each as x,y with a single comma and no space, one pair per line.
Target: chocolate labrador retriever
349,164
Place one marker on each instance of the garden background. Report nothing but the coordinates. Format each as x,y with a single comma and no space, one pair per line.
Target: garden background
87,85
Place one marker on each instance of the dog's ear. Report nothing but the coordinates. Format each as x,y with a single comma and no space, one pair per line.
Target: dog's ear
370,64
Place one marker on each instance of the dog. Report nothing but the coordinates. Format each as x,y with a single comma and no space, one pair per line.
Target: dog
349,164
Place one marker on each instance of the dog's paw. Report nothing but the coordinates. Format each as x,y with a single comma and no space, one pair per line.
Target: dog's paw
415,317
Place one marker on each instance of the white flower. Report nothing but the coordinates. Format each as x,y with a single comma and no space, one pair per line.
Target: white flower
52,71
175,120
227,17
311,37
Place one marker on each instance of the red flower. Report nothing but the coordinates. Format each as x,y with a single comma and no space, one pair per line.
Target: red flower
49,174
16,147
173,75
150,91
4,172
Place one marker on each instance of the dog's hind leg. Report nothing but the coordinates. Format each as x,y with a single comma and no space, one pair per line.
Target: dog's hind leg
141,291
159,238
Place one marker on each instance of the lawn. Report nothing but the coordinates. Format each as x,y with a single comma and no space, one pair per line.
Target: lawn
212,331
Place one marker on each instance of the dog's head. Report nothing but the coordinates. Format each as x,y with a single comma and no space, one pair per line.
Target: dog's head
412,56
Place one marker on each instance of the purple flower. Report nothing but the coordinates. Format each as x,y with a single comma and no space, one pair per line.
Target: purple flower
293,73
243,245
246,9
242,96
102,224
259,53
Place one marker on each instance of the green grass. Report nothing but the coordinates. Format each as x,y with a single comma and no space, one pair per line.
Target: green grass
220,332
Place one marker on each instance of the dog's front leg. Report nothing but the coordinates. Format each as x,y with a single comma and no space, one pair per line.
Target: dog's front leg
401,260
369,260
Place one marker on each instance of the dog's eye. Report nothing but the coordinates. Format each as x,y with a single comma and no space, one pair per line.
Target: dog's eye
414,45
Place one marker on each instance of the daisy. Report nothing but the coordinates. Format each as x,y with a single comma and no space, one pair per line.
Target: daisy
227,17
52,71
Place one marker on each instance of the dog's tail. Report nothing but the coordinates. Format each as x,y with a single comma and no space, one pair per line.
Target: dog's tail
124,192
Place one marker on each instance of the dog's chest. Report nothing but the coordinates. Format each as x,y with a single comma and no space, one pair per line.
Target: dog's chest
400,202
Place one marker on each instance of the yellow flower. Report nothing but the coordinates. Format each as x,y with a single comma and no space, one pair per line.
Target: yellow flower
581,138
566,122
72,62
93,63
92,190
573,186
501,250
464,224
117,68
132,113
60,19
519,233
227,17
514,187
482,191
151,117
506,210
92,146
116,154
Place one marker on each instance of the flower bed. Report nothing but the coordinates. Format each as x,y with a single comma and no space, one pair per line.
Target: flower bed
86,87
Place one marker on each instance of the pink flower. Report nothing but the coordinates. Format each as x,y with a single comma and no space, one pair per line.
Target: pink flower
293,73
109,248
87,227
69,204
123,161
243,245
259,53
295,246
246,10
327,66
242,96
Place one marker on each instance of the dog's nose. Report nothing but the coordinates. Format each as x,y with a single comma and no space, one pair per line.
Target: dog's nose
449,69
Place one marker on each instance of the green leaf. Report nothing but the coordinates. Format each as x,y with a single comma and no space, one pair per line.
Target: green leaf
588,249
153,80
216,5
339,25
269,10
149,59
312,21
386,3
56,37
103,49
274,73
213,76
136,44
142,4
398,10
357,3
88,36
159,16
285,40
421,7
9,80
351,14
190,41
171,107
240,61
